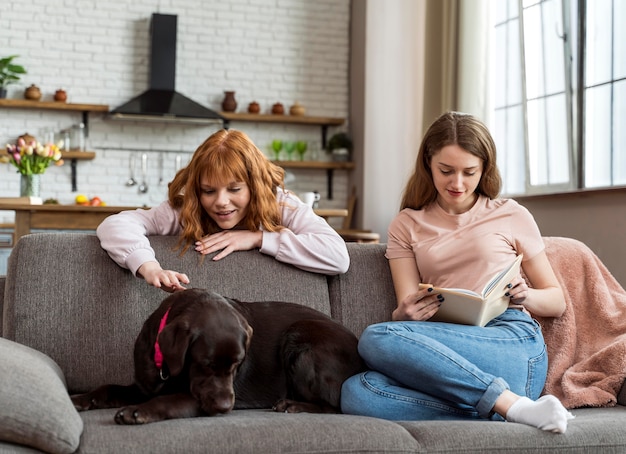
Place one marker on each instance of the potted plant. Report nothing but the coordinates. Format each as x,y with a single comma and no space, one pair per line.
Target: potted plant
9,73
340,147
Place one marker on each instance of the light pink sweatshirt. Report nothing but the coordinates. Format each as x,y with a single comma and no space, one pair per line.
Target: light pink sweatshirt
307,242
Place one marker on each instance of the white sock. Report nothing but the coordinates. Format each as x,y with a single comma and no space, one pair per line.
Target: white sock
545,413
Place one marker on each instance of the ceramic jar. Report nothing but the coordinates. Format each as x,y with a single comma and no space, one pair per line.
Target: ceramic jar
296,109
33,93
26,137
229,104
278,109
254,107
60,95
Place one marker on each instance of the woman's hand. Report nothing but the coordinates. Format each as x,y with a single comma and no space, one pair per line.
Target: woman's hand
518,290
417,306
167,280
229,241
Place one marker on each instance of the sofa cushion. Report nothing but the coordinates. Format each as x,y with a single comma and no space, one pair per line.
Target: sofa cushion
35,408
248,431
88,325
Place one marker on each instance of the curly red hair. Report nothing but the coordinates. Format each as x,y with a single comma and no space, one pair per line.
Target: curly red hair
226,156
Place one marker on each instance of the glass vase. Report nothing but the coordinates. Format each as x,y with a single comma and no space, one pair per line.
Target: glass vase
30,185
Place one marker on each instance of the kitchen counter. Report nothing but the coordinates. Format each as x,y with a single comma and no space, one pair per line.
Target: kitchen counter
80,217
58,217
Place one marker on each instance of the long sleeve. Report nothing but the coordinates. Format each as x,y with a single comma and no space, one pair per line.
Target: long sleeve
124,235
307,242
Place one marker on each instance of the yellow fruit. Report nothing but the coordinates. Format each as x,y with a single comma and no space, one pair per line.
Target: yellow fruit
81,199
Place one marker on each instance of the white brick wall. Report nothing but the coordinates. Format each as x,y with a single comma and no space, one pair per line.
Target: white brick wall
265,50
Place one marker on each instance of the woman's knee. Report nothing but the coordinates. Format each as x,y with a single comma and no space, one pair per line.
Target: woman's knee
352,394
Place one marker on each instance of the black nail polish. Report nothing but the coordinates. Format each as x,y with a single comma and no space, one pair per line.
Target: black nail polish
507,294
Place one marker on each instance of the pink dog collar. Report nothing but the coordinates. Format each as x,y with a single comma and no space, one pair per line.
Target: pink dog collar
158,355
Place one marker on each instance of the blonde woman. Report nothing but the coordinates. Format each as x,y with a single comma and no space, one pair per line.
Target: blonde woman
229,198
454,231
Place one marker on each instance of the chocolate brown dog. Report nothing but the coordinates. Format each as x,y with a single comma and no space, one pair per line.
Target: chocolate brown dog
197,355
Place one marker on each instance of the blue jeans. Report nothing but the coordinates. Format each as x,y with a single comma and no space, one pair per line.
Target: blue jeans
432,370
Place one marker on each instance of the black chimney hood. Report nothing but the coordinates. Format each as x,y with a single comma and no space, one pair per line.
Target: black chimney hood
161,102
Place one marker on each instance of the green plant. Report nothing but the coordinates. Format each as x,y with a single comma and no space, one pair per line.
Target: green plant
9,71
339,140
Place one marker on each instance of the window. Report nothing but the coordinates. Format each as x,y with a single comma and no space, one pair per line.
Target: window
552,132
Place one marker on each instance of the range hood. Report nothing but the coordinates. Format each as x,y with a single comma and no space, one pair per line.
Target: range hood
161,102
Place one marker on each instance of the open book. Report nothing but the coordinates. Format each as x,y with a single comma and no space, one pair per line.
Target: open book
470,308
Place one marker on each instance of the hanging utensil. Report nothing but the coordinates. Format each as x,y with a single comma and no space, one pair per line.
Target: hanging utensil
131,167
143,187
160,169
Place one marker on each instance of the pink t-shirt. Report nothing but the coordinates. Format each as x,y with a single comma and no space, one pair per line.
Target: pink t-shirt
464,250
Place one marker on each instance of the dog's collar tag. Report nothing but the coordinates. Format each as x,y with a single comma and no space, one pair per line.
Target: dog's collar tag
158,355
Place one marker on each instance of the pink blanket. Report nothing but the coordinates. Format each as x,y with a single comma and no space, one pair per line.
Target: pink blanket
587,345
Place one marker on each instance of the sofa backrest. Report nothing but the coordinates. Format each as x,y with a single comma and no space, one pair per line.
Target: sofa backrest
365,294
65,297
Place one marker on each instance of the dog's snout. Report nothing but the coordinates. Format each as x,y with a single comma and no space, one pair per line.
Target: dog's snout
223,405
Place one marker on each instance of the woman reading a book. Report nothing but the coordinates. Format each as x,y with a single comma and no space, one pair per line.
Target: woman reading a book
454,231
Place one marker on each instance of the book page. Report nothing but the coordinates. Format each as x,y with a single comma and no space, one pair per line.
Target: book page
505,275
470,308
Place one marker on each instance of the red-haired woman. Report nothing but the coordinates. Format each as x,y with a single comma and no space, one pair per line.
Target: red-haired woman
229,198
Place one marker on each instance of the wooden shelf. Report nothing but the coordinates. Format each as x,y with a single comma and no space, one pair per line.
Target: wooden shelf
73,156
329,166
323,122
293,119
52,105
79,155
320,165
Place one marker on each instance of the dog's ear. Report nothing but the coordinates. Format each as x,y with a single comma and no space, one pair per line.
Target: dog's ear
242,320
174,341
247,329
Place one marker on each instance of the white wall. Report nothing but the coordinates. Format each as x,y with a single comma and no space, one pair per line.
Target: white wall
265,50
393,85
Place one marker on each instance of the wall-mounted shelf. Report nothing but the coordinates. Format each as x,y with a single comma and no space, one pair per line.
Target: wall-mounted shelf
52,105
62,106
323,122
329,166
79,155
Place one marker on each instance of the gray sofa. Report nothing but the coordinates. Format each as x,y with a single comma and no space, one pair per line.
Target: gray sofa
65,298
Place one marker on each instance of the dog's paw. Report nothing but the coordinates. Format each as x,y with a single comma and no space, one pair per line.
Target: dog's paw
131,416
294,406
84,402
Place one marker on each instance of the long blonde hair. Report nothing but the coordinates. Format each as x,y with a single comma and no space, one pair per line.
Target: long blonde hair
452,128
227,155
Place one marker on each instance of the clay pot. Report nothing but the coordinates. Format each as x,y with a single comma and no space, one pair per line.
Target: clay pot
254,107
229,104
296,109
33,93
278,109
27,138
60,95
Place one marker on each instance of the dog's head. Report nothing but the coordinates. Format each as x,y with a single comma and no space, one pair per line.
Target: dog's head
208,338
